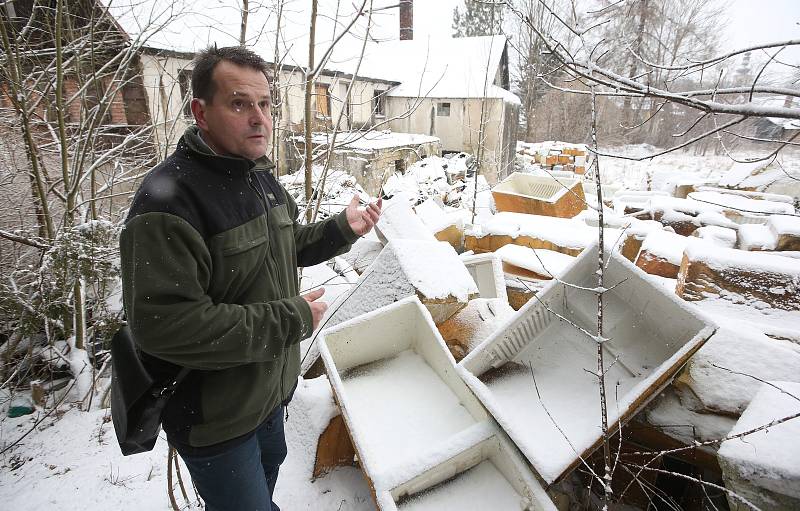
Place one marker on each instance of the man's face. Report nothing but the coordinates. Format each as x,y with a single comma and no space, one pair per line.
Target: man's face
237,122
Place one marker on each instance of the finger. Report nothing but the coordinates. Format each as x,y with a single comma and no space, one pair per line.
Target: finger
314,295
369,216
368,224
353,202
373,215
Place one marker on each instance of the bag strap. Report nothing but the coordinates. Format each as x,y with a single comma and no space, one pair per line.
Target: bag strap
170,388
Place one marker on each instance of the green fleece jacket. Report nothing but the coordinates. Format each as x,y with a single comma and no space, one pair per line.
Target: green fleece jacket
209,257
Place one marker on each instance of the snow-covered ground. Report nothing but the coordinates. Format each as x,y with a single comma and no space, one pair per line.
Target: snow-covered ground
72,461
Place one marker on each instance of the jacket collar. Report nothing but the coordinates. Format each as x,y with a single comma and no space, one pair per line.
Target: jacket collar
193,145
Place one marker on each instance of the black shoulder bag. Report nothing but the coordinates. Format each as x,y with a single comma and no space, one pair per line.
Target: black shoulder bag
137,400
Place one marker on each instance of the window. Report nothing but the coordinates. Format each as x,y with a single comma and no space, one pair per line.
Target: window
323,100
379,102
443,109
185,83
348,107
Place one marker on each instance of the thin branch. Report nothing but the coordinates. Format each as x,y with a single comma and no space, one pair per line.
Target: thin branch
23,240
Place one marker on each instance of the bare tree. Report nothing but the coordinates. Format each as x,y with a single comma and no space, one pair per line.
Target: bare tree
65,71
670,78
533,61
664,62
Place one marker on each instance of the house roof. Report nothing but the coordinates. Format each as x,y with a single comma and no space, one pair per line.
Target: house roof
440,67
777,101
436,67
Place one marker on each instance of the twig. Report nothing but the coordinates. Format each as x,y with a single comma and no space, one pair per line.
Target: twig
558,427
745,210
733,494
170,490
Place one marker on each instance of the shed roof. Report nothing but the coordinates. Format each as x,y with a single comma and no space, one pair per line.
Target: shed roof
443,67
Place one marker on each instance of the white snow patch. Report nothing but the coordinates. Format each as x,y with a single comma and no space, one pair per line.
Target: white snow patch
738,202
370,140
666,245
380,396
363,252
540,261
399,222
740,172
480,487
430,269
721,258
726,372
435,217
722,236
784,225
756,237
768,458
564,232
668,413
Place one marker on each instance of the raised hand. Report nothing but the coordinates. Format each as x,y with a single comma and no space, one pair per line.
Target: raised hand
361,220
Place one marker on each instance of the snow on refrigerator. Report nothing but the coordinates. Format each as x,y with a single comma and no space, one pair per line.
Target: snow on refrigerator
424,441
537,373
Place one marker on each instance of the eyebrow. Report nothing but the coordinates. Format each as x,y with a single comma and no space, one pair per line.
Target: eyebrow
245,95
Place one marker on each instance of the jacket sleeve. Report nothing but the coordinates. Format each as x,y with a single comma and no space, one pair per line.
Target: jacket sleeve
166,272
318,242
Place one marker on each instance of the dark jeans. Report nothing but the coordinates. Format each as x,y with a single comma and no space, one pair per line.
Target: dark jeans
242,477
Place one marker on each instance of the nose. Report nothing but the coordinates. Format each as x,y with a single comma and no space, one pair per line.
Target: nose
260,117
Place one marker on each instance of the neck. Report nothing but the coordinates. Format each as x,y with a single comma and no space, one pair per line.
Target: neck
207,140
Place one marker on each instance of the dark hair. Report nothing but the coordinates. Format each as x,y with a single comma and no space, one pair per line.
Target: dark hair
205,61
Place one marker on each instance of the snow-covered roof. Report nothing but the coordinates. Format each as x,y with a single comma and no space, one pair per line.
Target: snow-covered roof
371,140
433,67
443,67
778,101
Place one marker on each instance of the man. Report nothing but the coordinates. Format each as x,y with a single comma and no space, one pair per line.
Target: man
209,257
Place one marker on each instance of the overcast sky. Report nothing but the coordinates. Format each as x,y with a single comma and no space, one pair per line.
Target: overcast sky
751,21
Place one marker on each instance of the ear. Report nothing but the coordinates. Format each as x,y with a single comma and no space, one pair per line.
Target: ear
199,111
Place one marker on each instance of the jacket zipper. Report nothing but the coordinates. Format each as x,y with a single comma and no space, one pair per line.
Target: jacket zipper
263,196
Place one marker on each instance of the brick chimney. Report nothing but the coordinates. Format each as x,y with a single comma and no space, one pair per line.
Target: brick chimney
406,20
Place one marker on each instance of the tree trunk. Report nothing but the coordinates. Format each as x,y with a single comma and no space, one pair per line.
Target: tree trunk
309,91
626,107
243,31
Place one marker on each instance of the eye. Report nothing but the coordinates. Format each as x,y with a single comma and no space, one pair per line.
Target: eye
237,103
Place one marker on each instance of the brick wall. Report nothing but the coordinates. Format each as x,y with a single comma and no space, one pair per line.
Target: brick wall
73,108
116,109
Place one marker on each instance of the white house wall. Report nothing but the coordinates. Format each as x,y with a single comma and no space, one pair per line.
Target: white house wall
160,76
293,95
